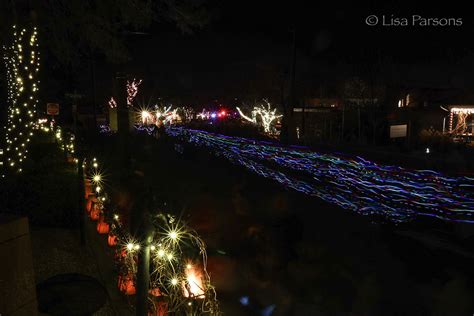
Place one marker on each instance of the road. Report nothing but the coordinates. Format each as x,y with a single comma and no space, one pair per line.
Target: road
353,183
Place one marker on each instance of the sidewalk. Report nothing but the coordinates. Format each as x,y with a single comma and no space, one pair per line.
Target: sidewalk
57,251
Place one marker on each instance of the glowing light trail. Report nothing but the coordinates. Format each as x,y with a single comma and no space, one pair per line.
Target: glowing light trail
357,184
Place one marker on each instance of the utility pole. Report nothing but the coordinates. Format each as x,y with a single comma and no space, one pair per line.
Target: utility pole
145,230
287,126
80,195
80,178
358,123
292,73
123,124
94,106
123,121
343,117
143,272
80,170
303,123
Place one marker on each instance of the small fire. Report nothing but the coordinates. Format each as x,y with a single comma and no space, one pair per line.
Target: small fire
193,286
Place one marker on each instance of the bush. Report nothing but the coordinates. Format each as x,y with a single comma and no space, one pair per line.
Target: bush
436,140
46,191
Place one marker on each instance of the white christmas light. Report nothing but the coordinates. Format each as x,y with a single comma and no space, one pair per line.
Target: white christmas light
20,123
173,235
267,115
462,110
132,90
112,103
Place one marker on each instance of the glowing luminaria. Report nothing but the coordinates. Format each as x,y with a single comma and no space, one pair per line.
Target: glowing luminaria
193,286
146,117
185,287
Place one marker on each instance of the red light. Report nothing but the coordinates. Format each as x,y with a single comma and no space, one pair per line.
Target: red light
222,113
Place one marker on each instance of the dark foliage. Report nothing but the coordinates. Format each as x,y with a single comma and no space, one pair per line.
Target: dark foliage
77,28
45,191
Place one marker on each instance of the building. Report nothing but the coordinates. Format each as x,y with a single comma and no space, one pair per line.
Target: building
436,110
317,119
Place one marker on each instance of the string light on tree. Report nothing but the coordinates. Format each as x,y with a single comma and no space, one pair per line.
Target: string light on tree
132,90
112,103
204,115
22,62
268,116
164,115
266,113
187,113
252,119
162,112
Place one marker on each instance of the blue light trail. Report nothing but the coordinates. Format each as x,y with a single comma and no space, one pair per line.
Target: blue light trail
356,184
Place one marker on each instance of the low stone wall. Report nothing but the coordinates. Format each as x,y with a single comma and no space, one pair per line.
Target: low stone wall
17,281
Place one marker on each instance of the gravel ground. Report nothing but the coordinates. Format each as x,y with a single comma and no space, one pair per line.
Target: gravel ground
57,251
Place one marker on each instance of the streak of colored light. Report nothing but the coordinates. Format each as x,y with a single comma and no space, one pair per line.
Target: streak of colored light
357,184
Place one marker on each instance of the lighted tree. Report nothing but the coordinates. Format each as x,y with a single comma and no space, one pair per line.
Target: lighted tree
132,90
186,113
267,115
265,112
112,103
22,63
204,115
80,33
252,118
164,115
163,112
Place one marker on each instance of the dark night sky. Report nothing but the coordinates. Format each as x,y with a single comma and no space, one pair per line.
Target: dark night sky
224,59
